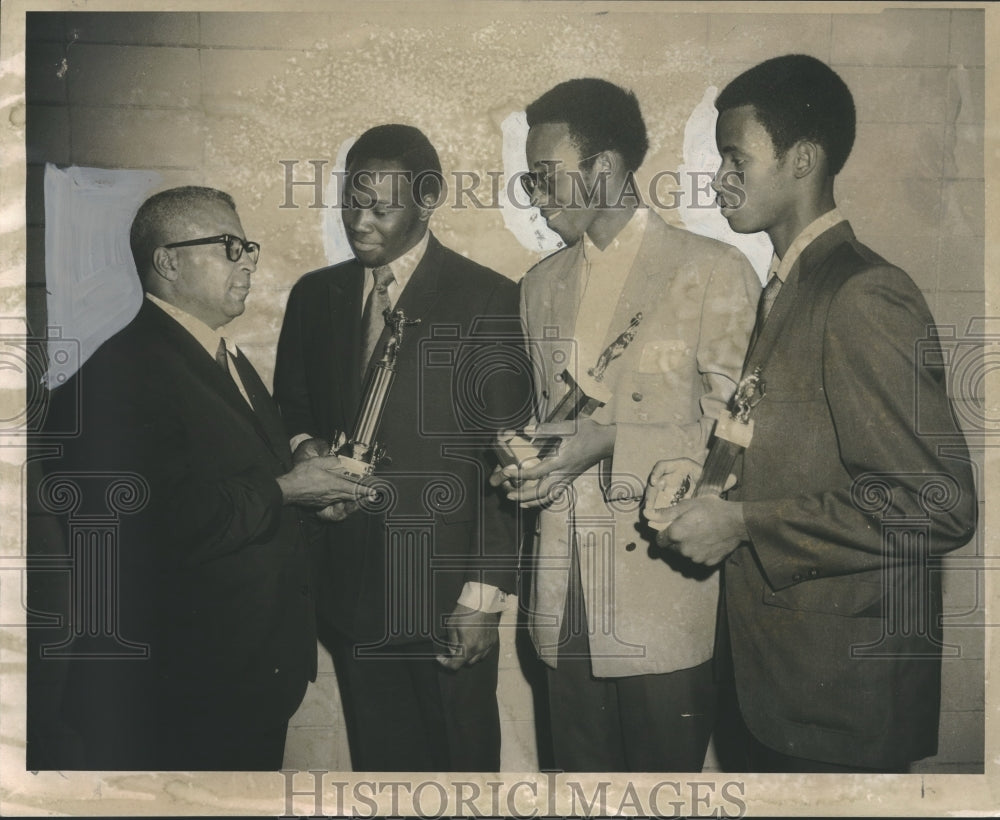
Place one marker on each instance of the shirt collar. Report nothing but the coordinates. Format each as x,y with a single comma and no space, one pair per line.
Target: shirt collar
628,236
206,337
783,266
403,266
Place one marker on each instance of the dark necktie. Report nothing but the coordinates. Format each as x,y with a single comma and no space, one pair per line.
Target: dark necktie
222,356
372,320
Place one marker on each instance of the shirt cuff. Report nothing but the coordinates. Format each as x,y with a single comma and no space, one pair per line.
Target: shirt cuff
297,440
483,597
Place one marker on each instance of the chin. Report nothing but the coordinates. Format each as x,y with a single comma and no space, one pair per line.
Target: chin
738,225
371,258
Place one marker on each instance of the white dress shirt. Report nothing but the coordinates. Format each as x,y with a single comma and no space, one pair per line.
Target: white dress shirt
206,337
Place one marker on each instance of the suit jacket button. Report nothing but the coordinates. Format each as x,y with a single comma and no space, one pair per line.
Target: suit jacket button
630,546
558,377
812,573
637,396
796,577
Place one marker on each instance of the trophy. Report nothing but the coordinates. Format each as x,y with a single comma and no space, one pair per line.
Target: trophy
359,452
581,399
732,435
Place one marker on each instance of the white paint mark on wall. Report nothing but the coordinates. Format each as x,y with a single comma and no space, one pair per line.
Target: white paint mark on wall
526,224
91,280
335,245
700,155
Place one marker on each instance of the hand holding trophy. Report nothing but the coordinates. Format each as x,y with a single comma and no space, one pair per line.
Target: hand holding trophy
583,396
358,450
671,480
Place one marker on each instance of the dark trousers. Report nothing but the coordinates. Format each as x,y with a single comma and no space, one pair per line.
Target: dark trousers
405,712
640,723
208,748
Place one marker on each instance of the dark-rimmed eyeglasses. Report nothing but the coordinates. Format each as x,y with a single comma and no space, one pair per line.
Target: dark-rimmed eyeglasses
531,181
235,246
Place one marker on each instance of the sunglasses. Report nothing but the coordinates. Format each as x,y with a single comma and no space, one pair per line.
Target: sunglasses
531,181
235,246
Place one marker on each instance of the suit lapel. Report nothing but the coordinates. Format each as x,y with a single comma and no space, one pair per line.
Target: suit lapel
797,287
763,339
344,319
645,282
422,290
565,292
265,410
199,365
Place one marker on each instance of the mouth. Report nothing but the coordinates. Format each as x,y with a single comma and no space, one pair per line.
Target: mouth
724,206
359,243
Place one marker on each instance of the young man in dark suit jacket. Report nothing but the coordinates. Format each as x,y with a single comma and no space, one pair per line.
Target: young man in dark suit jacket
411,592
209,582
841,503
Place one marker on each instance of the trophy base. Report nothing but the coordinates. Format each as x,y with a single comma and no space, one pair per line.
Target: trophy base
738,432
514,449
661,499
356,470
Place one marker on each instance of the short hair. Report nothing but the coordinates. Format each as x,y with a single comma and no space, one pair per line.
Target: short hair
159,214
797,97
600,115
404,144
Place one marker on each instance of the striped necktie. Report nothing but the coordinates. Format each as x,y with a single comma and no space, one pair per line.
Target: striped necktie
372,320
767,298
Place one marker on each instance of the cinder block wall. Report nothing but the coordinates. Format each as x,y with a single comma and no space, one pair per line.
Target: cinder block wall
220,98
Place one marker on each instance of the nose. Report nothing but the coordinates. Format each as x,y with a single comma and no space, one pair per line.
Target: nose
716,184
246,263
357,220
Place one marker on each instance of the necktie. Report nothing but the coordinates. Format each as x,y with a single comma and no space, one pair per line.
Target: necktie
222,356
372,320
767,297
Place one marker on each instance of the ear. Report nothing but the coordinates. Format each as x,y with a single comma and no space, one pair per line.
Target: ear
606,162
427,206
165,264
806,157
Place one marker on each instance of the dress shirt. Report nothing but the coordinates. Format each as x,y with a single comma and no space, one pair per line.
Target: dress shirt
782,267
402,269
481,597
603,278
205,336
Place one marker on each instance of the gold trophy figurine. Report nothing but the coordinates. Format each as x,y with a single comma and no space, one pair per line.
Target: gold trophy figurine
359,452
583,397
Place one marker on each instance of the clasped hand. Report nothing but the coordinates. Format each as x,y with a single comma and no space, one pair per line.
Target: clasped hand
539,482
471,635
335,506
704,529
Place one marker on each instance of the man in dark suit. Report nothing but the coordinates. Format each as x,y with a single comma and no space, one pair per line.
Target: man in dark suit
841,506
412,593
180,436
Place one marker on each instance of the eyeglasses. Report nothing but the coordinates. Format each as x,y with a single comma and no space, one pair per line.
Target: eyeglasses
532,180
235,246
